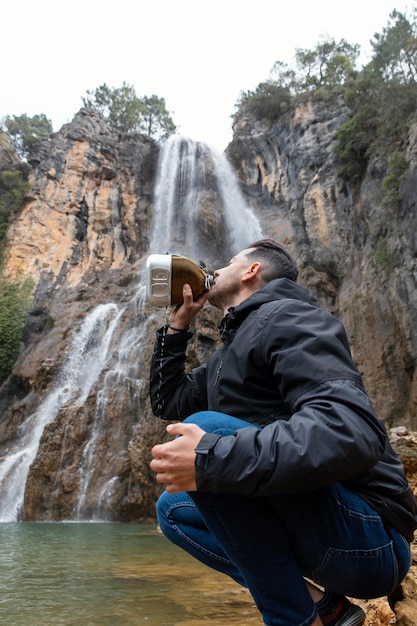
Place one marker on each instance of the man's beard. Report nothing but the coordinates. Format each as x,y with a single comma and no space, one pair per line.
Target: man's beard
220,298
213,299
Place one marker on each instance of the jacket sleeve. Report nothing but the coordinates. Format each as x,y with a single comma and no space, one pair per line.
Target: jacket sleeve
332,434
174,394
311,450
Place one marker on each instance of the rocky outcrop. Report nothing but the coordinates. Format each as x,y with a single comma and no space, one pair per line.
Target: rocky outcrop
83,235
358,254
89,205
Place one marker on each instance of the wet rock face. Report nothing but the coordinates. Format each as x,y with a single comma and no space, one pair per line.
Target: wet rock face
83,236
356,254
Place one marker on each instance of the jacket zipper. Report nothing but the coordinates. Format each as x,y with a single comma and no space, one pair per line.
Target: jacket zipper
219,367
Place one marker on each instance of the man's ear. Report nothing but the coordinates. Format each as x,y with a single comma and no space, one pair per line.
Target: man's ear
253,272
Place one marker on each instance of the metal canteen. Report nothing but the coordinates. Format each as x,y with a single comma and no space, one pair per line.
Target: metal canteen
167,273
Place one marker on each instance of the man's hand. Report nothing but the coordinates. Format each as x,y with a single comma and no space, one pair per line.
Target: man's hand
174,462
182,316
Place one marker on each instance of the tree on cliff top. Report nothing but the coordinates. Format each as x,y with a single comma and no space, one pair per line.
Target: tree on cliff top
327,66
320,71
124,111
380,98
27,133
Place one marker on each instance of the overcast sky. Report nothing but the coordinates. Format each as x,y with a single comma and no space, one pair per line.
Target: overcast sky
197,54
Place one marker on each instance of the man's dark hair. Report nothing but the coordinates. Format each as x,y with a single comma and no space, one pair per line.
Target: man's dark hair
277,261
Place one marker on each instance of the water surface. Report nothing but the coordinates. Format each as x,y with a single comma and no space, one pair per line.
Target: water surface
112,575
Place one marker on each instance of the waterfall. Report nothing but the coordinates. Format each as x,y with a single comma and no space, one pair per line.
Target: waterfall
182,171
189,172
82,368
129,345
198,209
242,224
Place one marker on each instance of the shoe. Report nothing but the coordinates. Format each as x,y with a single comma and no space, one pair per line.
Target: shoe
395,596
354,616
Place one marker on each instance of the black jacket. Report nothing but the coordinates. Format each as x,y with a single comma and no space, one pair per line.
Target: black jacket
285,365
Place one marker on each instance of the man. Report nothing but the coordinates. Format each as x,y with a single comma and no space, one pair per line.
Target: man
281,476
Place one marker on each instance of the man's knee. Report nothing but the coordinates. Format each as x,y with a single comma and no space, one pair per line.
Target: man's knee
174,508
177,515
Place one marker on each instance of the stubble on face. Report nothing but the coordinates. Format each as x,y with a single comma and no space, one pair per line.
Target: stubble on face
220,297
227,282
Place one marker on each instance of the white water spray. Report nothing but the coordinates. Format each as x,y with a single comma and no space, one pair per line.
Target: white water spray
124,371
85,362
184,170
242,225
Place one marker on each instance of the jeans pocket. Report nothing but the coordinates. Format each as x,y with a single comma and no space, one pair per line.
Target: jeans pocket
358,573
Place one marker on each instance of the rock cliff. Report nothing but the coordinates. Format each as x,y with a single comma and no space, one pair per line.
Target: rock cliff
355,253
83,235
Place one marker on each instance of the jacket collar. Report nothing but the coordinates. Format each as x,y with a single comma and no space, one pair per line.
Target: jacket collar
278,289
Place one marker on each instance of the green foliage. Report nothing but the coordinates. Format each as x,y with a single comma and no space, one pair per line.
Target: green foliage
398,167
12,190
380,98
8,153
120,107
15,300
156,121
356,136
284,76
379,122
353,141
395,50
318,72
123,110
268,102
27,133
383,257
13,187
327,66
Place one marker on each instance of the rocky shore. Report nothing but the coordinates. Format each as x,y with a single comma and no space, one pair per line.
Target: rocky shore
378,612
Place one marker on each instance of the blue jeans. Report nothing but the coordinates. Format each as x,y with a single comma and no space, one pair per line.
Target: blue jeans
270,544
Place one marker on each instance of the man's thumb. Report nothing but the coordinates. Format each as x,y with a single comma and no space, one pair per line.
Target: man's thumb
176,429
